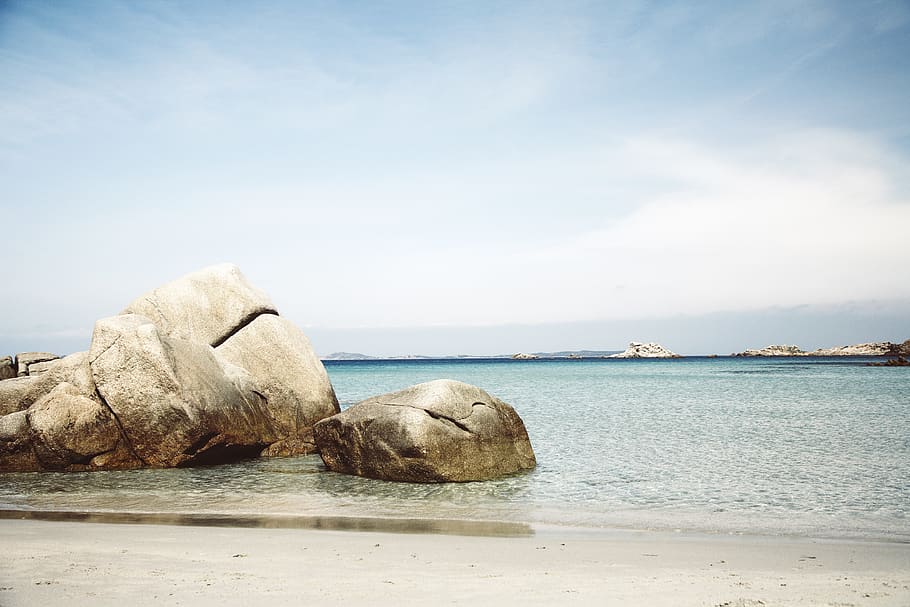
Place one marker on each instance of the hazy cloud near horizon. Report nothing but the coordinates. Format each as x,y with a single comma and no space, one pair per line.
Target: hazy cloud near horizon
382,167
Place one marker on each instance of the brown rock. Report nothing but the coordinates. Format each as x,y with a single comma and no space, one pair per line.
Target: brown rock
173,398
7,368
70,431
24,359
16,453
285,370
438,431
20,393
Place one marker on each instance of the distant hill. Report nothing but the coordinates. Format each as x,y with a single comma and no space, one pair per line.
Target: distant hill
577,353
347,356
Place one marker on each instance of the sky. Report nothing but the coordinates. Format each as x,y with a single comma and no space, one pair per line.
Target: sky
463,177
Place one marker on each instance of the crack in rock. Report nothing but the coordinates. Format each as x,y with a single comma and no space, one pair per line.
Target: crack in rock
434,415
243,324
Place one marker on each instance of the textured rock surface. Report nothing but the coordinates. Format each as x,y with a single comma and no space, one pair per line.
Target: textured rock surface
524,356
172,397
437,431
16,452
25,359
649,350
287,373
20,393
205,306
7,368
69,430
41,367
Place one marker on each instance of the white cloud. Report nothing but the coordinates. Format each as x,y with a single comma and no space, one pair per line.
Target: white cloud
809,219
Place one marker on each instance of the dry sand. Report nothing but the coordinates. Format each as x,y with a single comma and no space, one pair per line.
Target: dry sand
79,563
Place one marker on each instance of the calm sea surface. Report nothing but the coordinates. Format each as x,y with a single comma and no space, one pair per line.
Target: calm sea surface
780,446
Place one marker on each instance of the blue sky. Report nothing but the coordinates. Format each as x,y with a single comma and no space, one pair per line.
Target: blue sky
400,169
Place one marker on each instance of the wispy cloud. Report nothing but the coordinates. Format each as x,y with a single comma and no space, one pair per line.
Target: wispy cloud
456,164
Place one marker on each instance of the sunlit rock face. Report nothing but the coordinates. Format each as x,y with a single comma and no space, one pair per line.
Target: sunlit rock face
201,370
438,431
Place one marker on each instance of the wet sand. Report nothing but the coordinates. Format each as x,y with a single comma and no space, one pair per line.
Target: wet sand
84,563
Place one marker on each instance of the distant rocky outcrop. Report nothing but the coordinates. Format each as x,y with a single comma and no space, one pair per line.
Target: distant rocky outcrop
899,361
648,350
900,349
524,356
347,356
438,431
200,370
776,350
879,348
882,348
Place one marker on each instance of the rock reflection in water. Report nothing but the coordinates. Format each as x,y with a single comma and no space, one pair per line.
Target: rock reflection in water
326,523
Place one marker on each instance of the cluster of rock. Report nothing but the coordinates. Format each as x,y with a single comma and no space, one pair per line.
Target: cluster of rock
776,350
198,371
524,356
203,370
648,350
26,363
880,348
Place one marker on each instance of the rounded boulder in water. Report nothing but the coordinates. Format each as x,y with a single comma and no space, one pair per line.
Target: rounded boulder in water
438,431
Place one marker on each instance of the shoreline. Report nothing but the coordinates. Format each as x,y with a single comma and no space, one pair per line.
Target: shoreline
476,527
414,525
65,563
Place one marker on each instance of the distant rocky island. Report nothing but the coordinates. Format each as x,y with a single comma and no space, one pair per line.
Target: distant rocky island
574,354
635,350
879,348
648,350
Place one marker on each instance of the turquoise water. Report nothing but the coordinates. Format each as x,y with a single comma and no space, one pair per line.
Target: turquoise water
782,446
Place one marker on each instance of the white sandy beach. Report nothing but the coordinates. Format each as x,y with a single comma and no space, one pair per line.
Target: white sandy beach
66,563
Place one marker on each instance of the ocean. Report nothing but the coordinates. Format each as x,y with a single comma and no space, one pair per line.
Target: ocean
770,446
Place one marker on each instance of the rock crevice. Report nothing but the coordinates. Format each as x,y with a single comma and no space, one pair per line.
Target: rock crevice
243,324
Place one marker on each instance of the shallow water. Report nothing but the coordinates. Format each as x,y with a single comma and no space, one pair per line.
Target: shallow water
781,446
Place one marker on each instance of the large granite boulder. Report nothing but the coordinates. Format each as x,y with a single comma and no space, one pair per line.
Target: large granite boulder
173,398
207,306
438,431
288,374
207,372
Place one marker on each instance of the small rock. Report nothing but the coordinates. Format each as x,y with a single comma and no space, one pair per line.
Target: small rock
7,368
25,359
